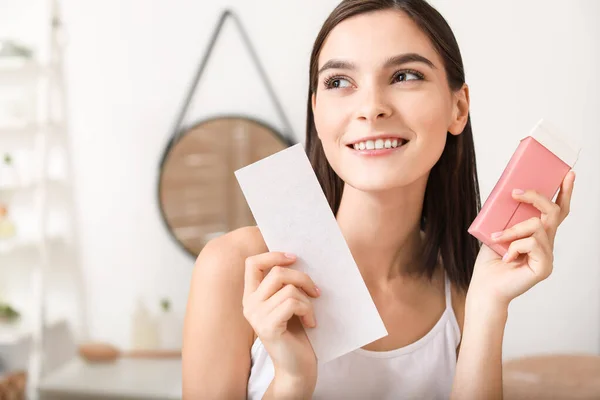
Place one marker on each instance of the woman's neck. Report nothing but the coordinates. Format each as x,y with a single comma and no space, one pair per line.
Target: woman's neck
383,231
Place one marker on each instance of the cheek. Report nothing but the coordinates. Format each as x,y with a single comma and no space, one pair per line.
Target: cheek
427,115
329,119
426,112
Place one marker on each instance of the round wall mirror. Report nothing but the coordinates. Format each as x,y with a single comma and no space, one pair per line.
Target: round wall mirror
199,195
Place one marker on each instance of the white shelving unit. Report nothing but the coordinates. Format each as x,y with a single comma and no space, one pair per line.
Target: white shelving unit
15,138
42,79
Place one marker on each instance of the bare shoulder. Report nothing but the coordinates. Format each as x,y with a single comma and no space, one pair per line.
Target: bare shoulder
222,259
217,338
247,240
238,244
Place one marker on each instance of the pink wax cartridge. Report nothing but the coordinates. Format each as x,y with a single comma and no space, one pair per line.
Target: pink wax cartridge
540,163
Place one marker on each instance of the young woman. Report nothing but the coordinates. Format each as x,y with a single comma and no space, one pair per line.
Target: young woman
389,137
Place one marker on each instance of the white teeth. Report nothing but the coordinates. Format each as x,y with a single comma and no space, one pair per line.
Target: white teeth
378,144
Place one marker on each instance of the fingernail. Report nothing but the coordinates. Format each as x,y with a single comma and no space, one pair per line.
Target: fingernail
290,255
317,290
496,235
505,257
518,192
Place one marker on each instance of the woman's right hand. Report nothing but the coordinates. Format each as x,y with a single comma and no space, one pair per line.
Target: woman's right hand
271,304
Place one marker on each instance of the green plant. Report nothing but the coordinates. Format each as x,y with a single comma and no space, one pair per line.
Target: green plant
8,313
165,305
7,159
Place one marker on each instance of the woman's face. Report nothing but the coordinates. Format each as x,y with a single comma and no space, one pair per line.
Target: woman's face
383,106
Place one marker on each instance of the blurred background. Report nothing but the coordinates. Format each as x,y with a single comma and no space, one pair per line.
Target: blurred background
117,166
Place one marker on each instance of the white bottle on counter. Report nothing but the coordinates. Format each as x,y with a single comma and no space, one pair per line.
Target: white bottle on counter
144,333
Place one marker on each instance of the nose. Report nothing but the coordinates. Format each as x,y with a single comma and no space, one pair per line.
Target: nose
374,105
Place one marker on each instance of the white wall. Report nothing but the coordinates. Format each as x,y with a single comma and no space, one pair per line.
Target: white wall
129,65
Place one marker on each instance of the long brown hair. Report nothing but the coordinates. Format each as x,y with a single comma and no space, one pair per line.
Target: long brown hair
452,198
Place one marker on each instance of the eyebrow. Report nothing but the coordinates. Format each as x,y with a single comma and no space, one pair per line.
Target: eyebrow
390,62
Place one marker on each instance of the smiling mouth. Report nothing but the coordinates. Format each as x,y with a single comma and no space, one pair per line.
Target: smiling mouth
378,144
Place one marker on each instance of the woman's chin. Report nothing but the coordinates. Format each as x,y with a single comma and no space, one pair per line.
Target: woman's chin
381,184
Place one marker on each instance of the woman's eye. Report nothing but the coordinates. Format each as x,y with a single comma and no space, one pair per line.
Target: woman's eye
407,76
337,83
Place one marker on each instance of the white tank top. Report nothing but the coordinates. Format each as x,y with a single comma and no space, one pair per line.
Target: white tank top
422,370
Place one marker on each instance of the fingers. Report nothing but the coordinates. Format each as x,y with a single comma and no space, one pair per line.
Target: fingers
519,231
551,210
553,214
290,307
270,301
270,319
292,292
564,196
540,259
278,277
257,265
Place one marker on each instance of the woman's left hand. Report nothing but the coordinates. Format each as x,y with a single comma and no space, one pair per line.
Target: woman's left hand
530,256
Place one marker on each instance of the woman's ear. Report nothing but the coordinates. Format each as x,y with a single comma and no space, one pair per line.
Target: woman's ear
460,110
